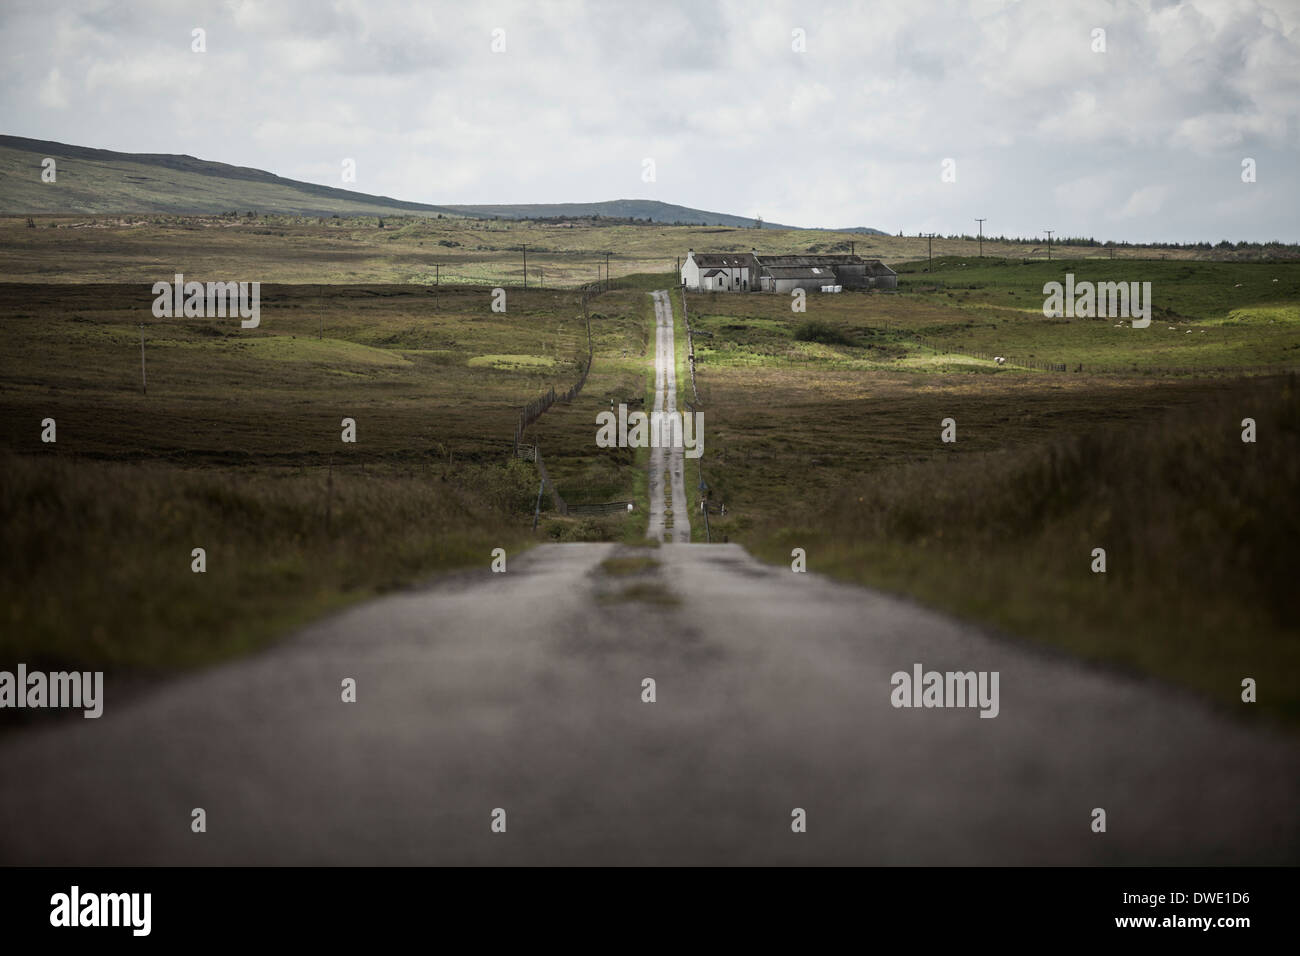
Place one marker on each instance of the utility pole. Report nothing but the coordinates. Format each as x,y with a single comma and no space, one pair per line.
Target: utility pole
437,283
929,237
981,222
525,265
704,499
607,272
144,379
1049,243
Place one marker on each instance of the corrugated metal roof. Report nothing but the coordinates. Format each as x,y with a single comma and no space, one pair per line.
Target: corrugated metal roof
725,260
772,264
798,272
810,261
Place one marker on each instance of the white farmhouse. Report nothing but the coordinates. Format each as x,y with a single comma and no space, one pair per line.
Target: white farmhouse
751,272
721,272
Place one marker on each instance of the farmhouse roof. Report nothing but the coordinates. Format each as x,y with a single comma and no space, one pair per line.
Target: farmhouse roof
725,260
805,262
877,268
800,272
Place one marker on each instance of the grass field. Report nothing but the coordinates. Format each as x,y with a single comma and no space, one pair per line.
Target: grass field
1139,452
1200,533
822,431
419,249
236,448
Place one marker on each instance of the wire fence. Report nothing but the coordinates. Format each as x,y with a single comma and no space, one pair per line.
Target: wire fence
539,406
534,410
690,344
560,504
604,508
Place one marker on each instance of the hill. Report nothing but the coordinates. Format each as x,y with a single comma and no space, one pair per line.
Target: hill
631,209
101,181
104,182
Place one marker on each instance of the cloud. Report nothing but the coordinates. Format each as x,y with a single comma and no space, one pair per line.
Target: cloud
1145,202
1146,137
52,93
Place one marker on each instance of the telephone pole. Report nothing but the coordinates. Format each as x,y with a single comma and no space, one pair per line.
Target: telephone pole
1049,243
607,272
929,240
981,222
525,265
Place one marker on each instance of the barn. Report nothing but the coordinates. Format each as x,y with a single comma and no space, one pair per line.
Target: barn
751,272
786,278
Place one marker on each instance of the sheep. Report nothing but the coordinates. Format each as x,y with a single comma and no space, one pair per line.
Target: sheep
1000,360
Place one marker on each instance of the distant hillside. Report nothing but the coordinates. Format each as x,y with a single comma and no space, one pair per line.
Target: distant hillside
104,182
650,209
616,209
101,181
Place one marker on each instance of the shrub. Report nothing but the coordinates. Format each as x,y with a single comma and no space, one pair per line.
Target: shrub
814,330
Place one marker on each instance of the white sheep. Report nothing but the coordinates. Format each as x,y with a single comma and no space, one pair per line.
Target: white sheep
1000,360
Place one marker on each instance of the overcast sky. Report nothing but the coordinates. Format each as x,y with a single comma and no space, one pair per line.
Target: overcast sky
1144,141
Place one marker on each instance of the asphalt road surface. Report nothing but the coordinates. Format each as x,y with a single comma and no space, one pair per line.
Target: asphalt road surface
524,691
670,519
